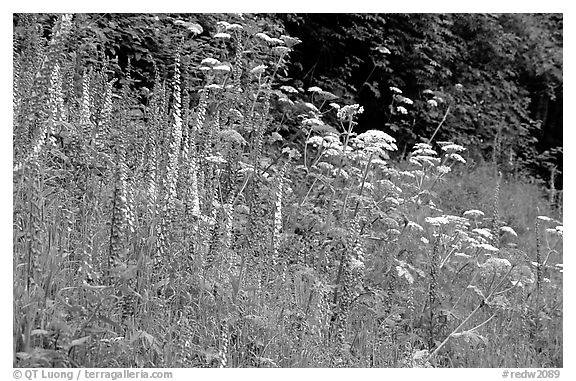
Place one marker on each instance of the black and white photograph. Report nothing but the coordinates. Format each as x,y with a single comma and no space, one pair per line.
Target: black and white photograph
286,190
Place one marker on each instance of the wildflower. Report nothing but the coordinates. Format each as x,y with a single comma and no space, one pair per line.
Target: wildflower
311,107
368,186
276,136
488,247
414,226
325,166
424,152
389,186
428,92
408,101
222,35
457,157
407,174
381,50
483,232
402,110
222,68
234,27
379,162
314,89
395,90
263,36
333,151
453,147
473,213
459,87
246,168
208,220
559,267
210,61
288,89
280,50
414,162
432,103
332,139
438,99
350,110
236,115
377,139
443,169
522,276
258,69
222,25
276,41
232,136
428,160
508,230
554,232
290,41
315,141
312,122
335,105
403,273
498,265
422,146
342,174
356,264
437,221
216,159
457,220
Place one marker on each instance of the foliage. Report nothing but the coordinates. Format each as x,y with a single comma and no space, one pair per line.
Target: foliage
496,76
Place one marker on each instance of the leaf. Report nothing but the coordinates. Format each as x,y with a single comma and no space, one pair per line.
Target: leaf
79,341
141,334
471,337
477,291
39,332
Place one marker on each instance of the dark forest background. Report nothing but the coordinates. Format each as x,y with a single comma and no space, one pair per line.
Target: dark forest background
497,77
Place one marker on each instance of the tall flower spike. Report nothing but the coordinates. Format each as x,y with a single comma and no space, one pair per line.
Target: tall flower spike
496,211
56,103
85,122
175,141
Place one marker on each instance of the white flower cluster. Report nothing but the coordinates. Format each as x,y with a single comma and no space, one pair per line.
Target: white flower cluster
508,230
496,265
330,142
258,69
402,110
349,111
437,221
375,141
403,99
289,89
474,214
522,276
452,148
